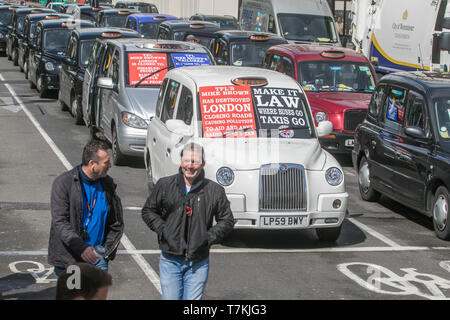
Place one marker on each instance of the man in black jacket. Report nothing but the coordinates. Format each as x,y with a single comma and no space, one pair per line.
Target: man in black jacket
181,209
86,212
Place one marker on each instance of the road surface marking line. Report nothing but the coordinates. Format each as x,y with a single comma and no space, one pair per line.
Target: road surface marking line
154,276
374,233
143,264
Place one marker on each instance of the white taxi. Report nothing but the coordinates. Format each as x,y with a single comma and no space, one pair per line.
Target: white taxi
260,144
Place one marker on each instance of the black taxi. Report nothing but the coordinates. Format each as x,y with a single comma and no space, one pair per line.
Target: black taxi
243,48
201,32
6,13
74,64
48,50
113,17
28,36
402,149
16,30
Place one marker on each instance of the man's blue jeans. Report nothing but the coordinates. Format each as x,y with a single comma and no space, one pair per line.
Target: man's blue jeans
181,279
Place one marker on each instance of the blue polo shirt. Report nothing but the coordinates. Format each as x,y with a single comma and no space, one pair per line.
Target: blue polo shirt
96,225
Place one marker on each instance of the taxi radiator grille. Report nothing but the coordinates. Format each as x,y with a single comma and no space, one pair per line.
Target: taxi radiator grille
352,118
282,188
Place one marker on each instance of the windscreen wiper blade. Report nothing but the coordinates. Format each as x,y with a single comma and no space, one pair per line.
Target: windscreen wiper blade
152,74
237,130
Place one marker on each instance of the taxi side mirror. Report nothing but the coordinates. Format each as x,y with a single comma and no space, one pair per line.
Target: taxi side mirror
179,127
105,83
324,128
220,61
415,132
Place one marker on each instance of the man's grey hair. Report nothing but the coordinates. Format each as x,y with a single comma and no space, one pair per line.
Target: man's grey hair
193,147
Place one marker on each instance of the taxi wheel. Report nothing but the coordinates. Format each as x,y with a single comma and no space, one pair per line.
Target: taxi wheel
440,213
41,88
328,234
365,187
76,111
118,157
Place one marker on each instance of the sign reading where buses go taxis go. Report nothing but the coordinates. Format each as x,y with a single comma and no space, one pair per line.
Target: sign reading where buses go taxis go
141,64
280,109
227,111
190,59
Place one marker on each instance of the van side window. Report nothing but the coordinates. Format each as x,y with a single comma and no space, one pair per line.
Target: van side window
170,101
415,111
394,108
288,67
185,108
160,98
376,101
114,69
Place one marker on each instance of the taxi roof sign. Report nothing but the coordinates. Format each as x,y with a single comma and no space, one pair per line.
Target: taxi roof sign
111,34
258,37
51,17
250,81
124,12
159,18
196,26
333,54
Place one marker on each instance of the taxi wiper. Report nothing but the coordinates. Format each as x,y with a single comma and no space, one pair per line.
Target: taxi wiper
152,74
237,130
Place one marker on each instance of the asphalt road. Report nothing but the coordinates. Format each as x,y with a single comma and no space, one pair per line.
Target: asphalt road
385,251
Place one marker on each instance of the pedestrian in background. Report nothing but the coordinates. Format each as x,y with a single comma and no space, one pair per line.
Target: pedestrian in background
83,281
181,209
86,212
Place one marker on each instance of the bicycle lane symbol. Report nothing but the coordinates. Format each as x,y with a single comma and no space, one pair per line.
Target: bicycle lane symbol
382,280
39,272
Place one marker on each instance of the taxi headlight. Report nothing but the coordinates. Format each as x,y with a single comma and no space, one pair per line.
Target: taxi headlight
321,116
2,36
133,120
334,176
225,176
49,66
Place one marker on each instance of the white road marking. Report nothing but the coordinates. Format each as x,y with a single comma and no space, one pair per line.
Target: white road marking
250,250
374,233
143,264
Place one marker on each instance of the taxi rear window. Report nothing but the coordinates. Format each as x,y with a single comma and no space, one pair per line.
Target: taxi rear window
245,111
141,64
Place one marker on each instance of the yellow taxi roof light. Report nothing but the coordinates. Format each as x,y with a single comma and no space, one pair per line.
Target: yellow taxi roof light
259,38
111,34
333,54
250,81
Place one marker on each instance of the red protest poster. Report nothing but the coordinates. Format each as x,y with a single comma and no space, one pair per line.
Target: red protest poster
227,110
142,64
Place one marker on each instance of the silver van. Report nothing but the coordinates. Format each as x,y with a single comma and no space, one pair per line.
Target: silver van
120,95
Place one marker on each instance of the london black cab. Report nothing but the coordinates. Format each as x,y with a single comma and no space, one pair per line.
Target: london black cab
28,36
48,50
6,13
143,7
243,48
201,32
225,22
402,149
114,17
16,30
74,64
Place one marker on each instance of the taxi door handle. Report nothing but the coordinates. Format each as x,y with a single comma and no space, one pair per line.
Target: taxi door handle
168,151
373,143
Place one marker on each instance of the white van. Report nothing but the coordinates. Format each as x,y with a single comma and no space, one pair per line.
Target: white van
298,21
402,35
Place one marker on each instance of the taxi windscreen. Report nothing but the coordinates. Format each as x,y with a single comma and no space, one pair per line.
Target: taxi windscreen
149,29
118,21
56,39
141,64
5,17
336,76
249,54
250,112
